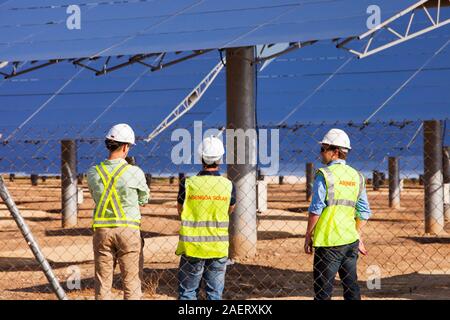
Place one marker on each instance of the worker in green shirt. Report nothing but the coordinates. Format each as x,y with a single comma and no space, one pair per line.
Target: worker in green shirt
118,189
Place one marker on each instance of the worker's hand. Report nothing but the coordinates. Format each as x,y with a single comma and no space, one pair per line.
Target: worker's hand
308,244
362,249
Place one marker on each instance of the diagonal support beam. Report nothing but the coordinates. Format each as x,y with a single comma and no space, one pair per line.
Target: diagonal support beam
188,102
399,37
16,73
292,46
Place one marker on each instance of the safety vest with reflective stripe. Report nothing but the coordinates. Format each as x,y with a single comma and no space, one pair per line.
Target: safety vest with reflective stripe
109,211
205,219
337,225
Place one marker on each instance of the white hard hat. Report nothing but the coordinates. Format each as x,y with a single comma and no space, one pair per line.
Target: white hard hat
121,133
337,137
211,149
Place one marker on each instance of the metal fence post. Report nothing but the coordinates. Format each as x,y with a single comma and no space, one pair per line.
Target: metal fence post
433,178
394,183
34,179
240,80
69,188
148,179
377,180
23,227
309,180
446,170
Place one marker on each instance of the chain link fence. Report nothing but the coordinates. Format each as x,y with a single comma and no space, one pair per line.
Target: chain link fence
404,259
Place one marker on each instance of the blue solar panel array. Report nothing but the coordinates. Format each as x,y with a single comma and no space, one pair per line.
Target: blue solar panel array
290,91
37,30
285,91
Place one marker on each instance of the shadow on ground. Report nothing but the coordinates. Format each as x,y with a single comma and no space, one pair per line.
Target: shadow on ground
303,209
275,235
247,281
16,264
88,232
430,240
69,232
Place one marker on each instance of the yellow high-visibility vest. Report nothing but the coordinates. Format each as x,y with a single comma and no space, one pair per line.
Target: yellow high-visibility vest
115,217
337,225
205,218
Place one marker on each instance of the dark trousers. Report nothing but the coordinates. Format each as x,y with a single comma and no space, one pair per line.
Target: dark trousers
328,261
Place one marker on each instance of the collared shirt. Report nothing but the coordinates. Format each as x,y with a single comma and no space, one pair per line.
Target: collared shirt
182,190
318,202
131,187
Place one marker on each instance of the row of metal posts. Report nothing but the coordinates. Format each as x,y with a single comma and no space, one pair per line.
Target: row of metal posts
436,196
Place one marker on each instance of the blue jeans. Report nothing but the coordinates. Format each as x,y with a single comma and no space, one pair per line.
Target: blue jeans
193,270
328,261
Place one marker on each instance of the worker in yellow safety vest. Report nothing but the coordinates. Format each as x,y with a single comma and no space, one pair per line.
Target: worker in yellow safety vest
204,204
118,189
338,211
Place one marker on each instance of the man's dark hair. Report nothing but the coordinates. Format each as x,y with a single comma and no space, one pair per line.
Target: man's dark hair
342,155
112,145
341,152
210,166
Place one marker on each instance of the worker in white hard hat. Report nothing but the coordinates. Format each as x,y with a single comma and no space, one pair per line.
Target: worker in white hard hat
338,211
118,189
205,202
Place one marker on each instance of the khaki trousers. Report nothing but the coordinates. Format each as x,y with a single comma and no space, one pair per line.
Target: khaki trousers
124,245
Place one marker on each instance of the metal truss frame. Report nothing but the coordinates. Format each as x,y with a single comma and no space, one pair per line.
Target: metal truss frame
188,102
400,37
196,94
292,46
106,68
16,71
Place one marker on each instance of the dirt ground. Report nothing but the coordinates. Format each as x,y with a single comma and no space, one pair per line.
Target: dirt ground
411,265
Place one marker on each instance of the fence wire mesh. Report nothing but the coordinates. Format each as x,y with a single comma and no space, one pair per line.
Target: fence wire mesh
403,260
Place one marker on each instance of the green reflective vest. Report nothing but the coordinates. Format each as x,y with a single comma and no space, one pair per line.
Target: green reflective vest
337,225
205,218
109,211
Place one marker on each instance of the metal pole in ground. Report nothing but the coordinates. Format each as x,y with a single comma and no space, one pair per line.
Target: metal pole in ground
433,178
69,187
23,227
376,177
148,179
34,179
446,170
394,183
241,149
309,180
